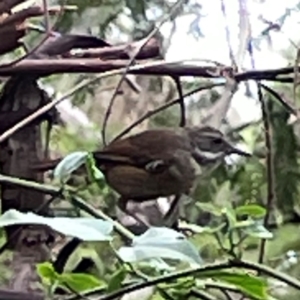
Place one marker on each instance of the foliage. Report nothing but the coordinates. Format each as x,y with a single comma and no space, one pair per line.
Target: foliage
225,213
161,255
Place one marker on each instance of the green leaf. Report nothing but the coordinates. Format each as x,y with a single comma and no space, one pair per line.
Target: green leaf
259,231
161,242
244,224
116,280
224,195
230,215
69,164
86,229
93,171
251,210
252,286
210,208
46,270
80,282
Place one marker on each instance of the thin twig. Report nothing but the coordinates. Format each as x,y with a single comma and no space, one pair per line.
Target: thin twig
35,48
52,104
270,169
244,33
218,111
180,101
77,201
155,111
269,157
285,104
131,61
231,55
173,276
46,17
204,71
75,89
202,270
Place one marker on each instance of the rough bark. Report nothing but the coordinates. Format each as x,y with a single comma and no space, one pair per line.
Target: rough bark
21,97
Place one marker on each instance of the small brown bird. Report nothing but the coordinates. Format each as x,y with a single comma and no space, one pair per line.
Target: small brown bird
158,162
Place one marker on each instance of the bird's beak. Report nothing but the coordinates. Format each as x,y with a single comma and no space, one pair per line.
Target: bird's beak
239,152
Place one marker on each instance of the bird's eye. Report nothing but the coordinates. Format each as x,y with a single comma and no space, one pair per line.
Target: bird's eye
218,141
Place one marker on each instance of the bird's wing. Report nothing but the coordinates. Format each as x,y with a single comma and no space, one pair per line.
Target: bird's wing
147,148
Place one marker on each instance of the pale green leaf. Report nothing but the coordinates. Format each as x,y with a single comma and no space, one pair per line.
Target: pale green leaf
210,208
69,164
86,229
161,242
259,231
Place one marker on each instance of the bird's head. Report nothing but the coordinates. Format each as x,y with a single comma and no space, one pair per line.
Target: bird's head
209,145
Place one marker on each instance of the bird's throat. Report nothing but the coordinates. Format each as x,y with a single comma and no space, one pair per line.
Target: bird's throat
206,157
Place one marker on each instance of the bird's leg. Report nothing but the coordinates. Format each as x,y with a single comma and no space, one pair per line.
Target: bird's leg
122,204
175,223
171,213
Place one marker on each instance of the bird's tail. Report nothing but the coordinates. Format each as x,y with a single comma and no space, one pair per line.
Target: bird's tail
99,156
46,165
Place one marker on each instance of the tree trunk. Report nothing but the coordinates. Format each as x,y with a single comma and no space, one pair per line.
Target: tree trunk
20,98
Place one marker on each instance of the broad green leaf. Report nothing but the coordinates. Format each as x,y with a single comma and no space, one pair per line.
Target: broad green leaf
211,208
46,270
193,227
116,280
80,282
86,229
231,217
252,286
69,164
259,231
161,242
252,210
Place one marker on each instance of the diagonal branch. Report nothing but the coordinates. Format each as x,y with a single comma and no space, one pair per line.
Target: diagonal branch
153,112
136,51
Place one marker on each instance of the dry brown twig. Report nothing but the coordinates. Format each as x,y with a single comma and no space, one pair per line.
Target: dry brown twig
133,55
45,67
270,169
50,105
150,50
158,68
151,113
31,12
182,121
